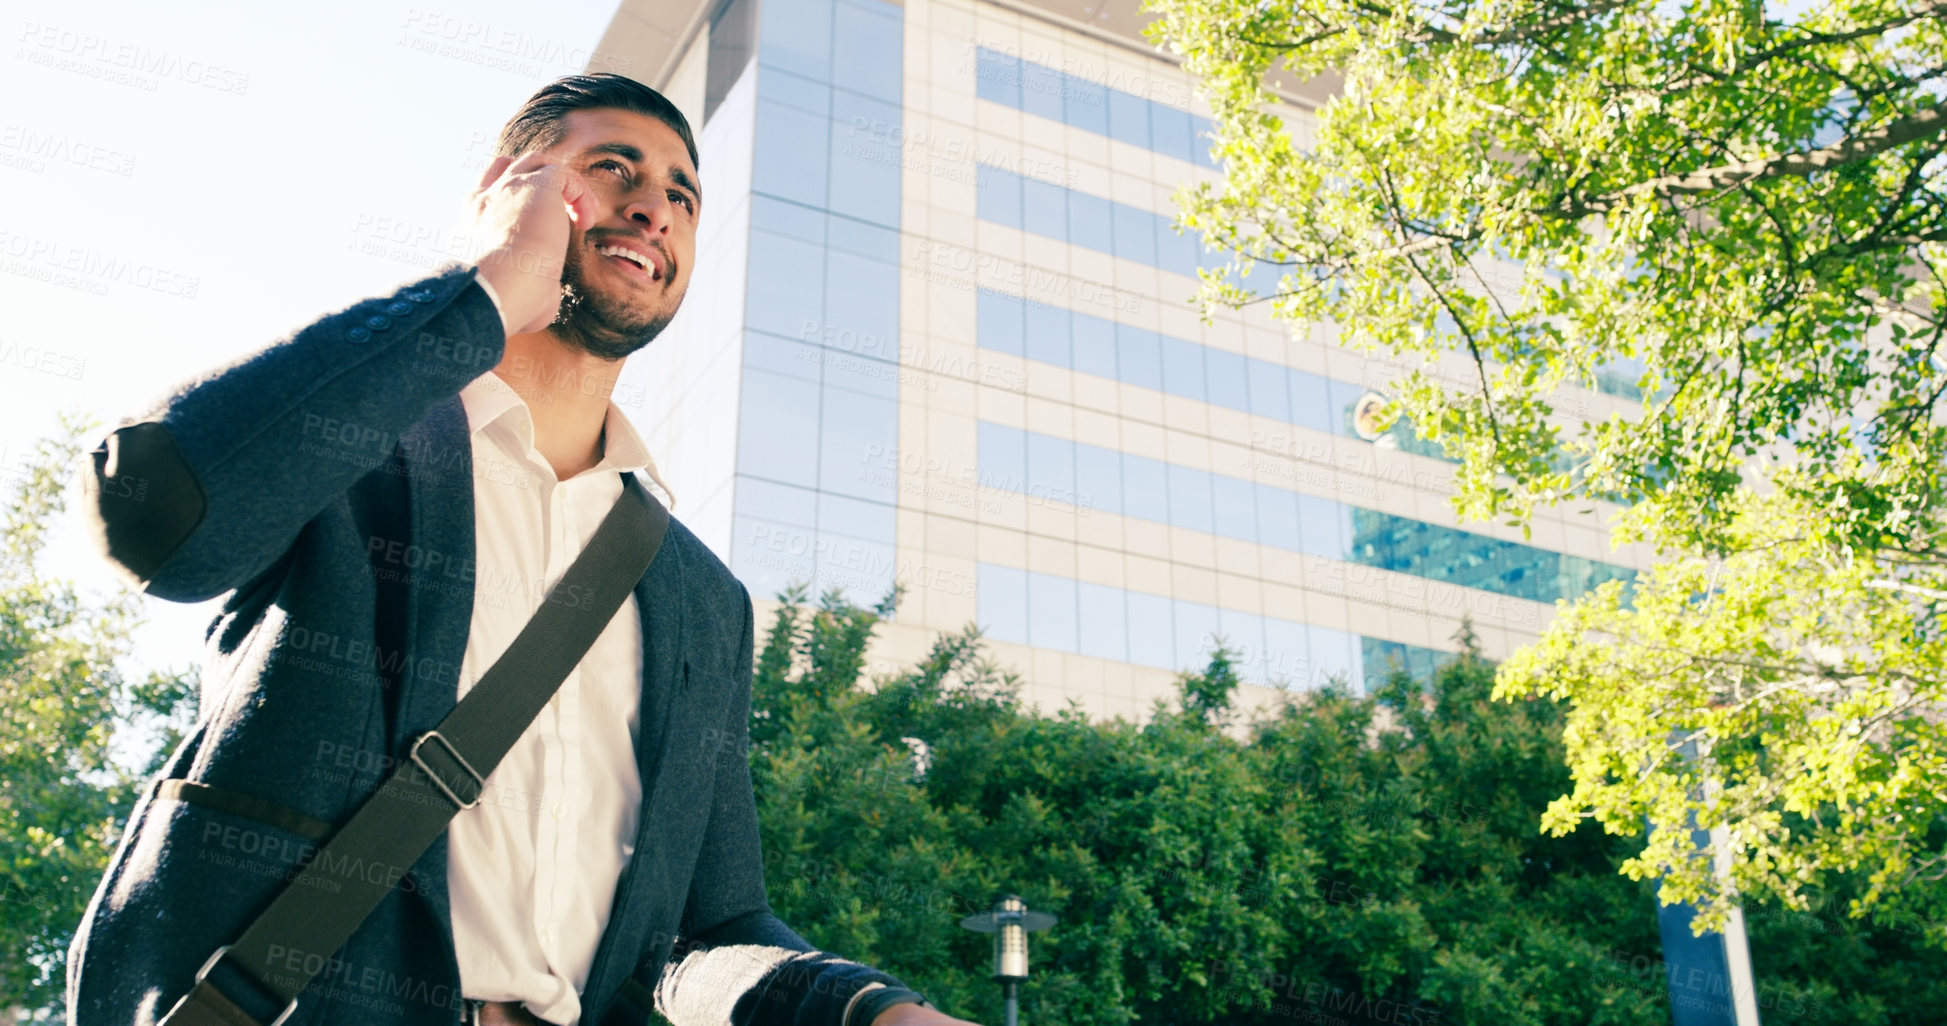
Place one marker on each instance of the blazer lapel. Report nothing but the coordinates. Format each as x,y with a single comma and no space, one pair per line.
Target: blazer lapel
660,602
439,460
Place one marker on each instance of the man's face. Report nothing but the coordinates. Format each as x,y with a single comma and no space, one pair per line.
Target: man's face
647,200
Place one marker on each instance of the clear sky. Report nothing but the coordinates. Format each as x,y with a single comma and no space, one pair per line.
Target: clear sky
186,183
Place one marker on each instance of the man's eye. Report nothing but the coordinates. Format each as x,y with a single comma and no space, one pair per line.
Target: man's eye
684,199
618,167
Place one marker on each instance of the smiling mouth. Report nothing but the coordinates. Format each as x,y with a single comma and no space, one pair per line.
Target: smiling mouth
632,262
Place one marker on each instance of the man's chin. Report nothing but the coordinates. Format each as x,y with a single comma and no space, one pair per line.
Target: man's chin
604,327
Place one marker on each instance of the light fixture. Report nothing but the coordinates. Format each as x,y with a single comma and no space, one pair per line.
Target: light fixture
1010,922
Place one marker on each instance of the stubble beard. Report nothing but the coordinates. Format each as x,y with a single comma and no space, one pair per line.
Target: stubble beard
598,325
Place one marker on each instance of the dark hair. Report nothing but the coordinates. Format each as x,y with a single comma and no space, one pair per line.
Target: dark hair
539,123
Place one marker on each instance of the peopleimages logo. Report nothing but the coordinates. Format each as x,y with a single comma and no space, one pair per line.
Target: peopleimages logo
448,35
121,62
29,150
50,260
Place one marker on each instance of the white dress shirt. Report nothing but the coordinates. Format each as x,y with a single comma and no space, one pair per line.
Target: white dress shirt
533,868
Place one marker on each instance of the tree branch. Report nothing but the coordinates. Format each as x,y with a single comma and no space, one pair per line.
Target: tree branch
1921,124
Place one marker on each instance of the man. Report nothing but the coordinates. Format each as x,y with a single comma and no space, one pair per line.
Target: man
384,498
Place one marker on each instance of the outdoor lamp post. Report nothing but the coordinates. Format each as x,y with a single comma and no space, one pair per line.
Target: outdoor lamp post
1010,922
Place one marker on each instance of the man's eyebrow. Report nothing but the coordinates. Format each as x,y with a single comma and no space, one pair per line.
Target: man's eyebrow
620,149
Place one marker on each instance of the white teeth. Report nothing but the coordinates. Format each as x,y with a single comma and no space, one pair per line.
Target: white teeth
631,255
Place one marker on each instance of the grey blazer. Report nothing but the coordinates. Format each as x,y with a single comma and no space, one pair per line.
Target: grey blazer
324,486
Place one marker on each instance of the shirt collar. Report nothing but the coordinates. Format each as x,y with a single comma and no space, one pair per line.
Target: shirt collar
489,399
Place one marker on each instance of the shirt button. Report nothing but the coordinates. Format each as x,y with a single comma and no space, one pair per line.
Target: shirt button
378,322
418,295
358,333
398,308
557,810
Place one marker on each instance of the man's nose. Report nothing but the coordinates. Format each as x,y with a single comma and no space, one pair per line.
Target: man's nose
653,212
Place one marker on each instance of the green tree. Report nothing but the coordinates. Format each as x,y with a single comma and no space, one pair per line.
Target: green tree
77,736
1734,215
1364,858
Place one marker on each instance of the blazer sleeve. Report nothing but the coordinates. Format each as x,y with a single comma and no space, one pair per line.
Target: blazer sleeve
208,487
737,964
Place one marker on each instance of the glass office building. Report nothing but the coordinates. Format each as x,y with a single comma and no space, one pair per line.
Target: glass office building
940,333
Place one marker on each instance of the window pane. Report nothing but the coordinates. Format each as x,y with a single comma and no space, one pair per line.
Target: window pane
1051,468
1135,234
1145,488
1335,654
848,235
1196,634
768,556
1286,651
1344,396
792,359
1373,537
1310,403
1138,356
1235,513
811,95
1052,613
1098,478
859,430
1041,90
998,78
864,182
1277,517
1270,391
1243,633
1189,498
997,323
1324,527
860,568
777,437
783,504
1045,208
794,220
1003,603
861,305
1085,105
1002,454
790,160
1103,631
1046,337
1176,252
842,515
1128,118
1088,222
858,373
1182,368
855,546
796,36
791,301
866,46
1226,379
1169,130
1150,631
999,196
1094,345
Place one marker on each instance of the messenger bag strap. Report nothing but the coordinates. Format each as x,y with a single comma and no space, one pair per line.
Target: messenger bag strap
445,772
